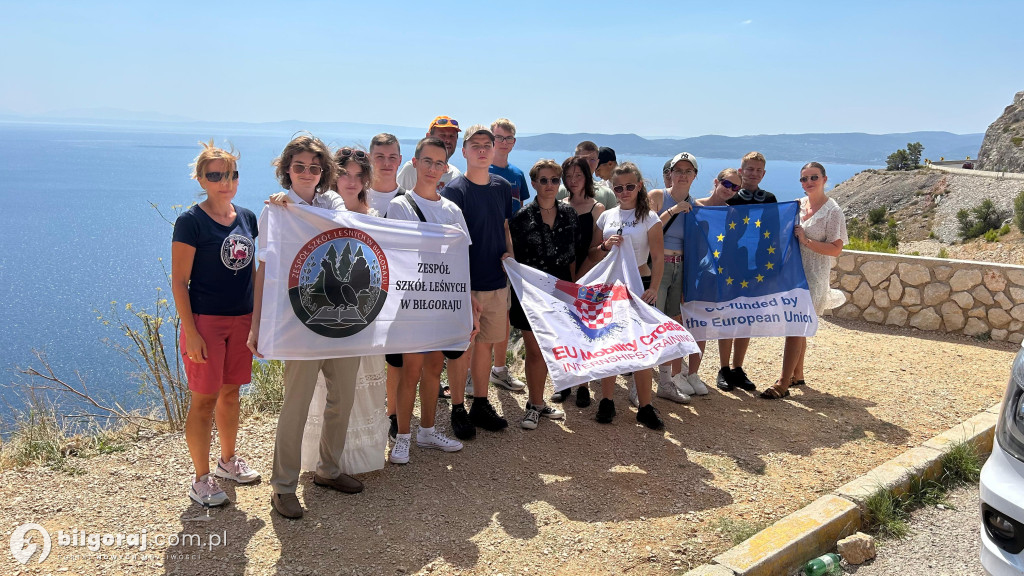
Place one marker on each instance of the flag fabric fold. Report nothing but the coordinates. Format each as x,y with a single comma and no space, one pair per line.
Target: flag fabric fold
743,275
343,284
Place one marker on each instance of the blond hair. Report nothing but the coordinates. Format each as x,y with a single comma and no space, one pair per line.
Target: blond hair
505,124
209,154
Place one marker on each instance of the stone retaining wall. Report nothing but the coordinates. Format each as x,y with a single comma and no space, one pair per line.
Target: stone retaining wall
971,298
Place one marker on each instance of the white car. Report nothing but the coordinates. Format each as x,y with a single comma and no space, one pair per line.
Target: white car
1002,485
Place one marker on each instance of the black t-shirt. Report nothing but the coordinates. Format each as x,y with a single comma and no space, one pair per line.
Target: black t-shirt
738,199
551,250
485,208
222,271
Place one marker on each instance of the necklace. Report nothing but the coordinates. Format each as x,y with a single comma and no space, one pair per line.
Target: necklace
546,209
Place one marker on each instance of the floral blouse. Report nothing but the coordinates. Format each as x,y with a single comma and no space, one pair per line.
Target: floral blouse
548,249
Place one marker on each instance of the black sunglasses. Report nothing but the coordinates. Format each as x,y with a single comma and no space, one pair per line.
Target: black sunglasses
730,185
346,152
628,188
812,178
544,181
217,176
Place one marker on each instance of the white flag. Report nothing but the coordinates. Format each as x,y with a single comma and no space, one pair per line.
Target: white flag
597,326
344,284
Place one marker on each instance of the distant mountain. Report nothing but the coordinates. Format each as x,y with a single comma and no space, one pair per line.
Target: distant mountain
845,148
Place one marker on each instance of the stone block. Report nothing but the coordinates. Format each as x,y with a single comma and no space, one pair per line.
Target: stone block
965,280
999,335
978,430
1016,276
975,327
895,289
964,299
998,318
881,299
926,319
894,475
1017,294
1016,338
849,311
979,312
849,282
875,271
874,314
942,273
784,546
981,294
1003,301
1017,312
897,317
856,549
935,293
914,274
914,309
911,296
1015,326
862,295
847,262
994,280
952,316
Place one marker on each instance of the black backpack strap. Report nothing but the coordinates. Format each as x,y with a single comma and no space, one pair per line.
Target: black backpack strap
415,208
669,223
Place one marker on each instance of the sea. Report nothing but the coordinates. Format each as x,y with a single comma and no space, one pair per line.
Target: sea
85,222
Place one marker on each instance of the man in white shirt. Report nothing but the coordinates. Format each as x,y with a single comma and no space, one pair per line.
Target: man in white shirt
446,130
386,157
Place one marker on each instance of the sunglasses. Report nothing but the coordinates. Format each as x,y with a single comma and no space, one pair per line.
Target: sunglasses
346,152
813,178
544,181
504,139
628,188
730,185
300,168
217,176
445,122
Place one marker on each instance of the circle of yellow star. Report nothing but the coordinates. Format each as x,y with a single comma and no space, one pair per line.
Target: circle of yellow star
732,225
728,281
759,278
769,265
767,234
744,284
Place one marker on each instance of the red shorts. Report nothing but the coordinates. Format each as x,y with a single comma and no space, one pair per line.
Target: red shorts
228,358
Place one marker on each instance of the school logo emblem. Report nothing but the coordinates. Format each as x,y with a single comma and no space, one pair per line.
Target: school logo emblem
236,251
593,307
338,282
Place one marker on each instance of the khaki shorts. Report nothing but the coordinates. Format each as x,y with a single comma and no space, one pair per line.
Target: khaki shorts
493,315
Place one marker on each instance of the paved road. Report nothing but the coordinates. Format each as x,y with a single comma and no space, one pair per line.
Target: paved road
941,543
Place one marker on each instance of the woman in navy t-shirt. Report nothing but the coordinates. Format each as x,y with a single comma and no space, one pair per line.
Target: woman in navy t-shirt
212,279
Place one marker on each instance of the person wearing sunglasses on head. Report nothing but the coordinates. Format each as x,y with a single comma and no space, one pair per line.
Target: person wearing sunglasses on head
821,232
544,235
212,281
446,130
674,383
751,172
306,169
632,218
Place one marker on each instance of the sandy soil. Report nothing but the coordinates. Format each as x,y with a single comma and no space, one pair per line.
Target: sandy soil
568,498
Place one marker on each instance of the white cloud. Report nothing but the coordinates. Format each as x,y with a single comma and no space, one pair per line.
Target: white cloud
745,22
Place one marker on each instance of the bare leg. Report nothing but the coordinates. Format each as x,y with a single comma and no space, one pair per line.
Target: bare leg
391,386
480,364
198,426
695,358
643,386
536,369
457,370
430,383
412,365
740,351
798,370
790,356
227,420
724,351
607,387
501,348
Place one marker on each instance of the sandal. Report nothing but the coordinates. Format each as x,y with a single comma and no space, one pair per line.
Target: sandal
774,392
444,393
799,382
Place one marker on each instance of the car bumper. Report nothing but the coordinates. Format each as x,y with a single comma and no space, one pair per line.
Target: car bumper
1002,488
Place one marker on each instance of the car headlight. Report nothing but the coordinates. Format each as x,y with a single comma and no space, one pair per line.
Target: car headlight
1010,430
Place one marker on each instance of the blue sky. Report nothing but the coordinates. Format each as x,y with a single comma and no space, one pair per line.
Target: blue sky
652,68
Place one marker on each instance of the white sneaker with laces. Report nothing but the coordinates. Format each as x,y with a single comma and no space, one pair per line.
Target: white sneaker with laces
400,449
207,492
669,391
631,383
548,411
435,440
681,382
531,418
698,385
502,377
236,469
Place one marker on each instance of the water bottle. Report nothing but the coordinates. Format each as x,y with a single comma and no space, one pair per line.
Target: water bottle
827,564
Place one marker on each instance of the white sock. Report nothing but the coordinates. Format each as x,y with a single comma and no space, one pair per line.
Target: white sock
406,436
426,431
499,369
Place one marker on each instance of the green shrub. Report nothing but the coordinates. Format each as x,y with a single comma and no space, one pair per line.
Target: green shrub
877,215
1018,211
1017,141
979,220
943,253
868,245
991,236
1004,230
266,393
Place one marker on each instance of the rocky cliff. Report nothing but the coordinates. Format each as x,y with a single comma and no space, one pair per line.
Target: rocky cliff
1003,147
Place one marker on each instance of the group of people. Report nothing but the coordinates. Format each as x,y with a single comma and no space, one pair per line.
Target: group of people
580,209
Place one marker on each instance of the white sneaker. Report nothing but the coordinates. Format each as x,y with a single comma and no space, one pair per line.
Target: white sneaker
631,383
236,469
435,440
531,418
502,377
681,382
669,391
698,385
400,449
665,373
548,411
207,492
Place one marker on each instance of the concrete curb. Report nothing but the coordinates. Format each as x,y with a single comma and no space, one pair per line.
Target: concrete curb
814,529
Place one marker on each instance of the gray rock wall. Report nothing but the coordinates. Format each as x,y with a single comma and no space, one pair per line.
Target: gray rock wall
978,299
1003,147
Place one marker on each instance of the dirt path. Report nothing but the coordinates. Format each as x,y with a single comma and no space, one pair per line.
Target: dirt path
575,498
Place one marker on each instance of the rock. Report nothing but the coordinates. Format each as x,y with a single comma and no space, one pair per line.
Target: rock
1016,276
849,282
942,273
856,549
978,312
1003,301
875,271
881,299
935,293
982,295
926,319
895,288
965,280
1001,150
1017,294
1017,312
975,327
849,311
911,297
1015,326
998,318
897,317
952,316
964,299
862,296
999,335
994,280
847,262
1016,338
874,314
914,274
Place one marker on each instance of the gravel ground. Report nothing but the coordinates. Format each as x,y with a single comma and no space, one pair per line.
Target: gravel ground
943,542
574,497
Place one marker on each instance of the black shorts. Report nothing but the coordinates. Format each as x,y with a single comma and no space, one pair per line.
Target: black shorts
517,316
646,281
396,359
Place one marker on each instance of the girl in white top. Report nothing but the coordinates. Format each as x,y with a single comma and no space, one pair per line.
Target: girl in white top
632,218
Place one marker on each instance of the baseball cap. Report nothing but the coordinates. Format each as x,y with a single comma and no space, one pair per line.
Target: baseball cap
444,122
683,156
477,129
605,154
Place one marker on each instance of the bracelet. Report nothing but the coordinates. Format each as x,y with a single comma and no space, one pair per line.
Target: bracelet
603,249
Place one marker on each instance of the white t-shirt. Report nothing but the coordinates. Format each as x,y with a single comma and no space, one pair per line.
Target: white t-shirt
327,200
613,219
442,211
407,176
379,200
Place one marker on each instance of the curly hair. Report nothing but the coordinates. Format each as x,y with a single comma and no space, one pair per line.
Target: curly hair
306,142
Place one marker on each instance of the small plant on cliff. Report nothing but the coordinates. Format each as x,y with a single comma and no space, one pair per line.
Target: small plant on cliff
873,235
980,219
1018,211
877,215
